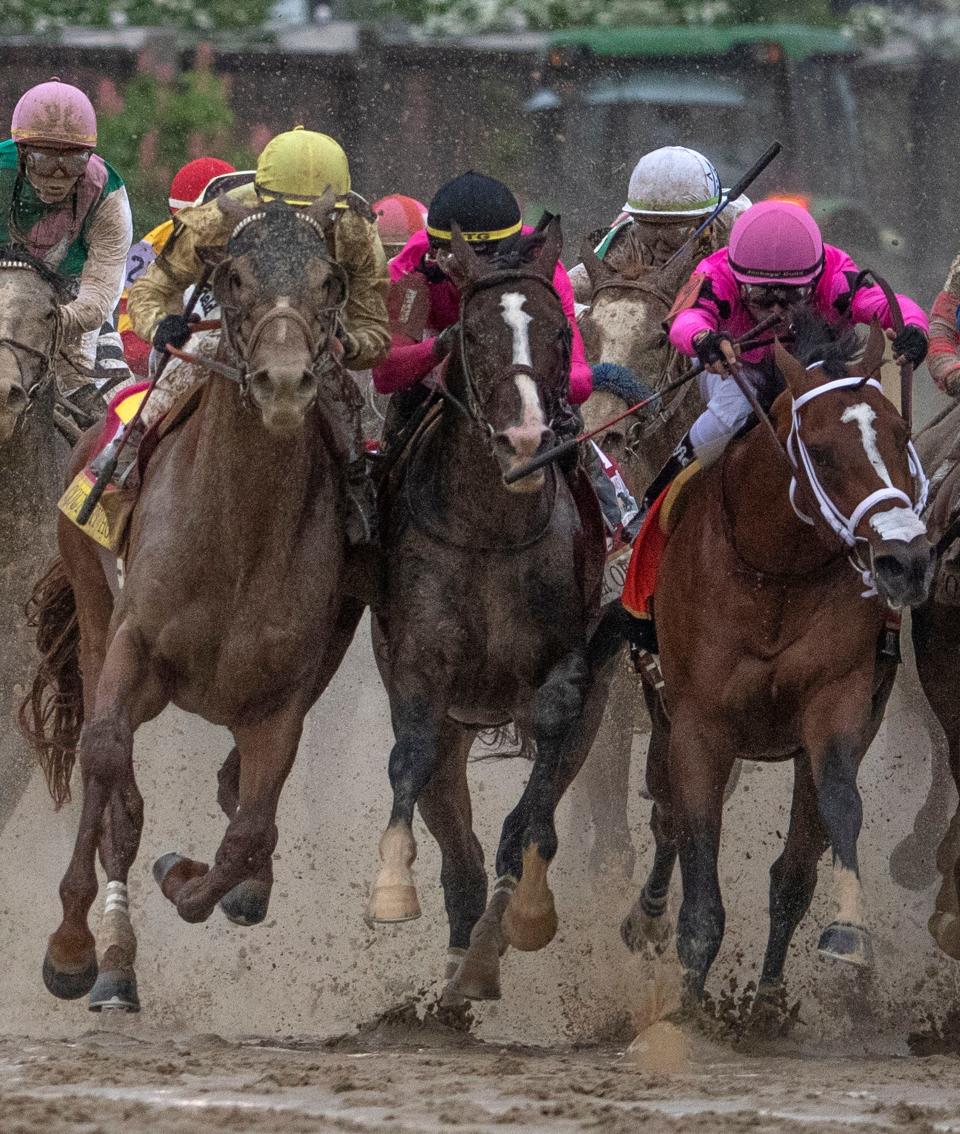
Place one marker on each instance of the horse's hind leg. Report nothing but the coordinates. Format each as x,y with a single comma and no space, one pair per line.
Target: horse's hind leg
445,806
646,923
247,903
267,751
793,878
128,693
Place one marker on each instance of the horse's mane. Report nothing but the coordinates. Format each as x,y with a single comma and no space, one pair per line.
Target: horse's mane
18,254
814,340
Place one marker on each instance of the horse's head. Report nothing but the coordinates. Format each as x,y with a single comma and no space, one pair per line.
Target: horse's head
281,296
28,335
624,324
512,366
856,469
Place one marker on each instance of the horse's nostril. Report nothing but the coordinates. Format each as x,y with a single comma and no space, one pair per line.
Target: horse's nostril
260,379
307,382
502,442
16,401
890,566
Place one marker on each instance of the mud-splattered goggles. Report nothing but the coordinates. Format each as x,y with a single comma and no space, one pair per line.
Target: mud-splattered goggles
48,163
765,296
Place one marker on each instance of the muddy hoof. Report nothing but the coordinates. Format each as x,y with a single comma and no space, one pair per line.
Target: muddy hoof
69,983
841,941
478,977
115,991
391,904
945,930
642,933
247,903
164,864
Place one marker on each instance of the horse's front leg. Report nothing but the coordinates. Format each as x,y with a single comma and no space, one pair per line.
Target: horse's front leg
267,751
833,728
247,903
128,693
417,719
702,753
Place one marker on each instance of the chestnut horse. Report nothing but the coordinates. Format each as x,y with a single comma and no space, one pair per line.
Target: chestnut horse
490,602
770,647
232,604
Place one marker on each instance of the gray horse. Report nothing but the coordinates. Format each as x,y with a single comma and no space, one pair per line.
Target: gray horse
32,458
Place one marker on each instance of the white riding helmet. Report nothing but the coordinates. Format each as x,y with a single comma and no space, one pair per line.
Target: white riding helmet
673,182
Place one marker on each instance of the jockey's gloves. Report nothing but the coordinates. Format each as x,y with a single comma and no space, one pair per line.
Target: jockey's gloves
912,344
172,330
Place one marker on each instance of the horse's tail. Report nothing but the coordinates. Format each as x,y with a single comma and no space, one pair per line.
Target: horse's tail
51,714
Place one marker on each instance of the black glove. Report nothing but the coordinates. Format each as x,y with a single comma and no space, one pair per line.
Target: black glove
443,343
912,343
172,330
567,423
708,349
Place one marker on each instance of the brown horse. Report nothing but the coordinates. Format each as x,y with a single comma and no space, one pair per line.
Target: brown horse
936,641
770,648
623,329
32,459
487,620
232,603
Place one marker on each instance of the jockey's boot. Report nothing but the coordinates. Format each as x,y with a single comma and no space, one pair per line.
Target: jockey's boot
678,460
642,633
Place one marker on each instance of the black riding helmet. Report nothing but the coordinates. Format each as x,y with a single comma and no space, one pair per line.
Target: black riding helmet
484,208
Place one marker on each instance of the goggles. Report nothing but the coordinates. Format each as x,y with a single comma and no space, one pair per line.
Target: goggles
765,296
47,163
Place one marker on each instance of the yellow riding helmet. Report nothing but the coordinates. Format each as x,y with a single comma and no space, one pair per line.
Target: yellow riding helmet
298,166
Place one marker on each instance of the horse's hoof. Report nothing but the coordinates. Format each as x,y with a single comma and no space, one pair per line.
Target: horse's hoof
164,864
247,903
913,864
945,930
115,991
69,983
478,977
641,932
529,931
841,941
391,904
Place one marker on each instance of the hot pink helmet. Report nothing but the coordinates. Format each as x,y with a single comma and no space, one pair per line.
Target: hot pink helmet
399,217
775,242
55,114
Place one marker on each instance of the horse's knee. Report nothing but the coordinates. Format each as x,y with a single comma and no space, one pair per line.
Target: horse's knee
561,698
105,748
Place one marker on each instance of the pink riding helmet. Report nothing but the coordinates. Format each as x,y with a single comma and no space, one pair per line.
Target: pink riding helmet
55,114
776,242
398,218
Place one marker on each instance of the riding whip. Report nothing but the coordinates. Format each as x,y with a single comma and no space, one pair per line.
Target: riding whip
109,467
729,195
565,447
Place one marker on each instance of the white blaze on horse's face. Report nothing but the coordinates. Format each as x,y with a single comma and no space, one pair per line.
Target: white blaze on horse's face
864,416
511,304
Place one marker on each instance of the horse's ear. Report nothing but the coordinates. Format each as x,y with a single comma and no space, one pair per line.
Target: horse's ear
873,353
795,374
322,210
597,270
467,260
670,278
549,254
235,211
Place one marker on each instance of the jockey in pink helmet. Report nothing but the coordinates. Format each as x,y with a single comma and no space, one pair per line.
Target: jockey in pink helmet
398,218
775,261
61,202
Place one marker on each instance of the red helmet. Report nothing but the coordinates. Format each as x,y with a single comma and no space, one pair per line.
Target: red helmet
196,175
776,242
398,218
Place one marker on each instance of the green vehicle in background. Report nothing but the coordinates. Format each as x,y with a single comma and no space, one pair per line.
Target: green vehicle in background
609,95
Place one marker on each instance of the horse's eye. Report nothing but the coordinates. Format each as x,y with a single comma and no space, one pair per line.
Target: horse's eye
822,456
235,281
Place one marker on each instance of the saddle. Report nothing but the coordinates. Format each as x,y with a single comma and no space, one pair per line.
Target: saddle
108,524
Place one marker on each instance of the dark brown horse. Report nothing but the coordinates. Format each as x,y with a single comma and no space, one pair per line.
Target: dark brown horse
33,457
231,607
936,642
487,620
770,649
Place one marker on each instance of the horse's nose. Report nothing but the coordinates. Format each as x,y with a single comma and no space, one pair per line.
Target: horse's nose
283,394
904,571
524,441
13,398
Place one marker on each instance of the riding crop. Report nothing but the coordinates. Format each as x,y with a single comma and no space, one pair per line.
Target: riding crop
105,475
747,341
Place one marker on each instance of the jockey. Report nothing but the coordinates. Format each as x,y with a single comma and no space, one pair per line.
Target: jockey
67,207
186,189
296,167
943,361
671,190
398,218
489,218
776,261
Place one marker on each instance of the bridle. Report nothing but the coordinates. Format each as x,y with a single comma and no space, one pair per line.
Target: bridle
475,405
317,338
845,527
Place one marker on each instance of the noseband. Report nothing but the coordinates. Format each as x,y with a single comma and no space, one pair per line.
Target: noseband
845,527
